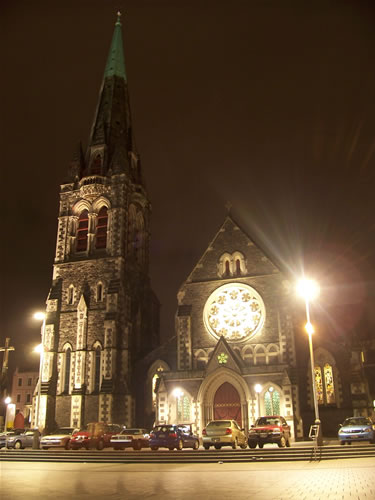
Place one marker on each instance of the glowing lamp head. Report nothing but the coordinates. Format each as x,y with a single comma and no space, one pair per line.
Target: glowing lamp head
308,289
38,348
309,328
258,388
39,316
178,392
7,400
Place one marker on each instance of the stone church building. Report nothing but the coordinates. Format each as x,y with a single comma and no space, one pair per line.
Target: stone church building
237,350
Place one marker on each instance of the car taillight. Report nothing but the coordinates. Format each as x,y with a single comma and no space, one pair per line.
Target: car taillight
152,435
172,435
204,432
228,431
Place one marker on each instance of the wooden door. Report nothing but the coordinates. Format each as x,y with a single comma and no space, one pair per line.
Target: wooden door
227,404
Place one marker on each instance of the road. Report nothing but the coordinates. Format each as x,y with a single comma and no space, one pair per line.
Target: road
334,479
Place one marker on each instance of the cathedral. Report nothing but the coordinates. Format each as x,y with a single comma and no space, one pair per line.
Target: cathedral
238,350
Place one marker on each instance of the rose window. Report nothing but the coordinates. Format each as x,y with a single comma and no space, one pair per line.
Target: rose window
234,311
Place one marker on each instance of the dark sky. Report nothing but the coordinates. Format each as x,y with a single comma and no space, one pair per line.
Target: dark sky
268,104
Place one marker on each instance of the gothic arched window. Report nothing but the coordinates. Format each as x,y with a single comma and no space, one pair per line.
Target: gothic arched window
183,408
227,269
101,228
98,352
67,369
329,385
99,292
70,299
238,267
82,231
324,384
272,402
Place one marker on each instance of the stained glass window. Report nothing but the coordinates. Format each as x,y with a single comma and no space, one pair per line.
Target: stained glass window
272,402
183,409
329,385
319,385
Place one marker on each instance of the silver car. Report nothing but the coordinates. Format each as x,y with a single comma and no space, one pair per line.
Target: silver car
220,433
24,440
58,439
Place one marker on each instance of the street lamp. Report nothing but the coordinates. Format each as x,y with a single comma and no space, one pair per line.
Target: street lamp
7,400
258,390
40,349
309,289
177,393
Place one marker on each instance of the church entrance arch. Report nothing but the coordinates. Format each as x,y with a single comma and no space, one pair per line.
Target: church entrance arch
227,404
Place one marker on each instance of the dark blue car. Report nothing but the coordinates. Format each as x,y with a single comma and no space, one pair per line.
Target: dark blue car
173,436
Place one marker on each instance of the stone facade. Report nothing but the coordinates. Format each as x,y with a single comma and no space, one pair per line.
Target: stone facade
102,315
264,355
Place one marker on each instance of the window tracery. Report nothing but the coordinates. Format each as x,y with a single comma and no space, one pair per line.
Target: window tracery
231,264
101,228
272,401
183,408
82,231
67,369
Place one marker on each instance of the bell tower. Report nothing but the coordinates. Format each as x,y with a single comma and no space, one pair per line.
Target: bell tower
102,315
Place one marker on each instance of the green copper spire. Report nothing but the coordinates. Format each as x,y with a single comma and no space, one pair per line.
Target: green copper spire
116,61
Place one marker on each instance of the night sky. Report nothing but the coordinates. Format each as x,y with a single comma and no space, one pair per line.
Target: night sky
266,104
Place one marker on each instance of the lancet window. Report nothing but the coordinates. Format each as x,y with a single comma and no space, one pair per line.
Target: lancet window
272,401
67,369
101,228
324,384
82,231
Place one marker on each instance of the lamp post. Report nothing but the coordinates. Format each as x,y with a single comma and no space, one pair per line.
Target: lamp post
258,390
40,348
7,400
308,289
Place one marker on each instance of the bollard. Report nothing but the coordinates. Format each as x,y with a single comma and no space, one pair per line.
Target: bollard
36,440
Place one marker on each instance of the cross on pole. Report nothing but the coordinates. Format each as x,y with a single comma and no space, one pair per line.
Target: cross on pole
6,350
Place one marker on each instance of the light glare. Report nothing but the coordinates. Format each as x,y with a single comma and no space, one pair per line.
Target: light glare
308,289
39,315
38,348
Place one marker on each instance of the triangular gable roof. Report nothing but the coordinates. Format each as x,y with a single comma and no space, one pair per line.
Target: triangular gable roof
230,238
223,356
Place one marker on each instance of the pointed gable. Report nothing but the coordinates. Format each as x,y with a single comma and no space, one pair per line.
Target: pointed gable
231,244
223,356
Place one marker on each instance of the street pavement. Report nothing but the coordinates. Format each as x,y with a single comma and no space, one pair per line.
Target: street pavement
348,479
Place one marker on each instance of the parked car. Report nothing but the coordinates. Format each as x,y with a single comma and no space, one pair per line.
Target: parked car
58,439
94,435
357,429
173,436
23,440
5,435
131,438
220,433
272,429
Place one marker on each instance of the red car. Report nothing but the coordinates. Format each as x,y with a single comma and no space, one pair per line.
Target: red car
273,429
94,435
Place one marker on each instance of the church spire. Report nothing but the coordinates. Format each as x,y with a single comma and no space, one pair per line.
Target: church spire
111,147
116,61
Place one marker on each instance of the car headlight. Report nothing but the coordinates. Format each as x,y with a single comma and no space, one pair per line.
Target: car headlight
341,431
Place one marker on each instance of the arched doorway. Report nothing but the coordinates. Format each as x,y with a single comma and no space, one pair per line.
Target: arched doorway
227,404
